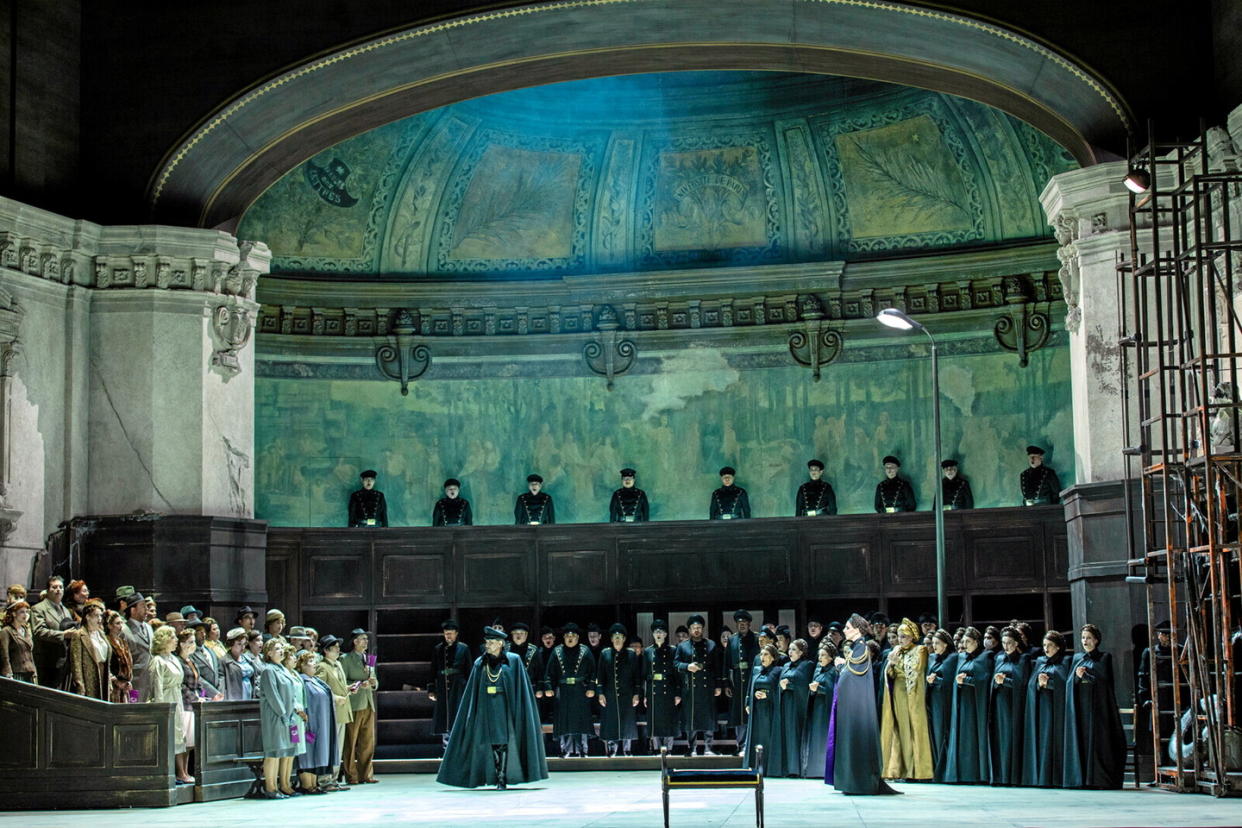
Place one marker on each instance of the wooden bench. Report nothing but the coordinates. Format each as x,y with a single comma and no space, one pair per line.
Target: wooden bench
726,778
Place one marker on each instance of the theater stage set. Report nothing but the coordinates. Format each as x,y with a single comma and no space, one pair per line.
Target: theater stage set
479,240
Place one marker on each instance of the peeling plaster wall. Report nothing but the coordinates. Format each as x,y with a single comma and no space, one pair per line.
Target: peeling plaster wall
48,463
677,426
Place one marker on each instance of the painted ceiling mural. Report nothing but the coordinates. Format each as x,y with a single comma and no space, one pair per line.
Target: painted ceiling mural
658,172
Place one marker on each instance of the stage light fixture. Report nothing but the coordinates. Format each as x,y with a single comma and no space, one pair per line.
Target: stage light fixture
1138,181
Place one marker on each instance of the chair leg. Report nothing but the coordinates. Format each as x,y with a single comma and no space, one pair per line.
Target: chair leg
665,792
759,807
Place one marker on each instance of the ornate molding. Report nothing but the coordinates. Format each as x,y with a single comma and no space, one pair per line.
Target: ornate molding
403,360
573,312
609,356
231,327
58,249
815,345
1024,331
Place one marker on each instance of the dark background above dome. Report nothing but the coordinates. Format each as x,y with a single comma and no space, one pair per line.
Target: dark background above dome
658,172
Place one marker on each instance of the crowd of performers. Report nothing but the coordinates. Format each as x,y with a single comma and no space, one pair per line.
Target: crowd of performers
853,703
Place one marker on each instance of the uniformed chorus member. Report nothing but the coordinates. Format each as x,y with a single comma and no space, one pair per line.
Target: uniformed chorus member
367,506
1038,485
1030,715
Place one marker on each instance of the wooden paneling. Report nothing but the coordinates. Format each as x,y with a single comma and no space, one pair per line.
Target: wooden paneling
791,559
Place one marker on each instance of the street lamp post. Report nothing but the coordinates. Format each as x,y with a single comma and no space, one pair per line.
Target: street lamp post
893,318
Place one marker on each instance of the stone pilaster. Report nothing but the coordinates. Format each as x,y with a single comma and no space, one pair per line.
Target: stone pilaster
126,374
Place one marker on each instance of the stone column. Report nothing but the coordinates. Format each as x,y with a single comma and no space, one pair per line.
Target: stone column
126,381
1089,212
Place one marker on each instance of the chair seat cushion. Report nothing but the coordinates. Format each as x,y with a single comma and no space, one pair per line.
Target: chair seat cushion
698,778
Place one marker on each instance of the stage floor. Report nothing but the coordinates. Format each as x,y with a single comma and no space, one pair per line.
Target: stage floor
608,799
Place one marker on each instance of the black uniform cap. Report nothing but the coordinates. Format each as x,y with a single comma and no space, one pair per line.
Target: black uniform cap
815,464
814,620
520,625
879,618
728,470
784,630
1164,626
571,627
742,615
683,629
593,627
628,473
927,618
726,629
1035,450
545,630
835,625
948,464
890,459
450,624
494,634
764,632
533,478
452,481
659,624
616,629
369,473
696,619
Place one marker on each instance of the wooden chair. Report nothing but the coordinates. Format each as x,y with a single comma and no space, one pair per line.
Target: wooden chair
713,778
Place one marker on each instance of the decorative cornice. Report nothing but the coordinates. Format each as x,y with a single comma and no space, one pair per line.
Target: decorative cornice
516,314
51,247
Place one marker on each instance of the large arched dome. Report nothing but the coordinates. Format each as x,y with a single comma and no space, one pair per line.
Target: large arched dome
658,172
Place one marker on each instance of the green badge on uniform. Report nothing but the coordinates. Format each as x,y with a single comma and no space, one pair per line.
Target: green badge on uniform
812,512
370,521
491,689
890,509
743,664
657,677
1029,502
533,523
571,681
727,517
627,519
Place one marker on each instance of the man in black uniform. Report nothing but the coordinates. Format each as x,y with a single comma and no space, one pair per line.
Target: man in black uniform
814,634
534,507
619,677
729,502
893,493
1039,483
629,503
570,680
450,665
694,658
367,506
739,658
815,497
954,488
1155,683
521,646
452,510
547,644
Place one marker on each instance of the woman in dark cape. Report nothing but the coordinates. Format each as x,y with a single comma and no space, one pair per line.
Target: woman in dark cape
823,685
762,700
852,762
967,761
496,736
789,745
1005,711
1043,734
941,668
1095,745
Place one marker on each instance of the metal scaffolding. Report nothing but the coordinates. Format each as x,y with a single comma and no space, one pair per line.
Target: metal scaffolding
1180,380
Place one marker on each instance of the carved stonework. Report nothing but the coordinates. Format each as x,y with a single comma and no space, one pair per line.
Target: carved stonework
231,326
403,360
1066,229
609,356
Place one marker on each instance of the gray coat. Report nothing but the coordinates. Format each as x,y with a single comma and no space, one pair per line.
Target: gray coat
49,640
209,672
280,699
238,678
138,635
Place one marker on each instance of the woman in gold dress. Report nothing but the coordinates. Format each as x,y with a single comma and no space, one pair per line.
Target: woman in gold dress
904,737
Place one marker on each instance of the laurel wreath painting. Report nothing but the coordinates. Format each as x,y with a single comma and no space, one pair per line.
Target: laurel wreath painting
710,199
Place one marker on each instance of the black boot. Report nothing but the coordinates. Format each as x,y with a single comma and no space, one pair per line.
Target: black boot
500,755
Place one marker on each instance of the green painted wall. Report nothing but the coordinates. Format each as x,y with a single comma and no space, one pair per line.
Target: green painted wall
677,426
